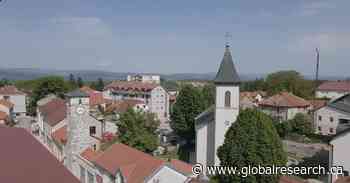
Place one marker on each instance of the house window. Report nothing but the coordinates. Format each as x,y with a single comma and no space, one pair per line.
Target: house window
331,130
227,99
331,119
82,174
95,147
80,102
320,118
92,130
90,178
319,128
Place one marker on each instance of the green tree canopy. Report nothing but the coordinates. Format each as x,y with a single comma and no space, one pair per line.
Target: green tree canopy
4,82
100,84
301,124
138,129
290,81
208,95
252,140
47,85
188,105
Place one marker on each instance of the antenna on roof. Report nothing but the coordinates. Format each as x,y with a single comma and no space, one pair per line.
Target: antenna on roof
317,66
228,36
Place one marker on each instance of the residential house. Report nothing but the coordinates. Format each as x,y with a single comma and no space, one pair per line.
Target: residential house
6,111
96,99
331,118
24,159
144,78
15,96
333,89
153,95
121,163
284,106
251,99
212,124
339,154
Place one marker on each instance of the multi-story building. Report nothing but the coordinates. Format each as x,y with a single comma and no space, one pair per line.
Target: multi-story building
153,95
333,89
332,118
15,96
144,78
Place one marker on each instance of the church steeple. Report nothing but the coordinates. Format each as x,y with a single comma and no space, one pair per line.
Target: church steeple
227,73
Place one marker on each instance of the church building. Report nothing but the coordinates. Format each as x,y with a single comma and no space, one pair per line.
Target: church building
212,124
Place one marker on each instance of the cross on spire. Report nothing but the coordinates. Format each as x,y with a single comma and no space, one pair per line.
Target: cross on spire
228,36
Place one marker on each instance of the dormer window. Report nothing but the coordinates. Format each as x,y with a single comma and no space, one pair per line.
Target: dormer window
227,99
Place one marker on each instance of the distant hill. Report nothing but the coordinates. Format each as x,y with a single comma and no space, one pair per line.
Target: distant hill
92,75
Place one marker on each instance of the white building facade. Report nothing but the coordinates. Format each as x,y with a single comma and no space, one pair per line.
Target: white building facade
212,124
18,98
333,89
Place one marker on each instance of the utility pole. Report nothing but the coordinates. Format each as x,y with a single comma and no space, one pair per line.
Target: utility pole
317,64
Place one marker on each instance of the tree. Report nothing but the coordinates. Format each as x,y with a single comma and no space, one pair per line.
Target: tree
283,129
45,86
138,129
100,84
80,82
4,82
252,141
188,105
208,95
302,124
290,81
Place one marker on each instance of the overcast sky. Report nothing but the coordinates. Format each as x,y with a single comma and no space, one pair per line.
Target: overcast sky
175,36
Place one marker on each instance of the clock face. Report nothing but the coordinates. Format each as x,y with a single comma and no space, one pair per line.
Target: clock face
80,110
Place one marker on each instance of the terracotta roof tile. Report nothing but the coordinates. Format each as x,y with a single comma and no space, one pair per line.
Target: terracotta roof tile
131,86
342,86
24,159
285,99
90,154
181,166
54,111
317,104
95,97
122,106
10,90
135,165
60,135
7,103
3,115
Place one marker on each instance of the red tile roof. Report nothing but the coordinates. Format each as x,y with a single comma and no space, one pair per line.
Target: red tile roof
90,154
181,166
24,159
122,106
341,86
286,179
134,165
131,86
60,135
3,115
95,97
285,99
6,103
10,90
54,111
252,94
317,104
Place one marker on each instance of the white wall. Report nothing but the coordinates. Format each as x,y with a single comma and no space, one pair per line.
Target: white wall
224,116
330,94
20,103
167,175
325,123
341,151
159,103
201,143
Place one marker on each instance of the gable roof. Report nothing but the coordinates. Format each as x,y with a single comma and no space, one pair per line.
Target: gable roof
54,111
121,106
285,99
340,86
181,166
95,97
207,114
341,103
227,73
135,165
10,90
6,103
24,159
60,135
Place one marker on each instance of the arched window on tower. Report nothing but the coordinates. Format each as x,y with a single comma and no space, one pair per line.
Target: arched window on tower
227,99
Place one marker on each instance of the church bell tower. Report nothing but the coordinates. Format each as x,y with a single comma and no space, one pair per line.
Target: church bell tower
226,100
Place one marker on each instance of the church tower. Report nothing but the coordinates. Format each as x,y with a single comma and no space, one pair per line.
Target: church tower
226,100
77,110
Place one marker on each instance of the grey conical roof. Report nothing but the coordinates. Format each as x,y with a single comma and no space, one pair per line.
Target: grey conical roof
76,93
227,73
